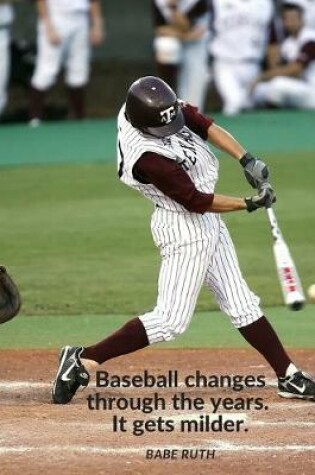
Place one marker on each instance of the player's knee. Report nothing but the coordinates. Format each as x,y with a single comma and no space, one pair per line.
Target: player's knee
78,78
167,50
276,91
3,101
233,104
43,80
163,326
260,93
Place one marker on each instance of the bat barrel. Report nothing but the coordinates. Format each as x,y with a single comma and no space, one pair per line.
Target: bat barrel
292,290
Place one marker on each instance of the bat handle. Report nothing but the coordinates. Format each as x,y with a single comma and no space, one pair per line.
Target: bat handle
271,214
276,233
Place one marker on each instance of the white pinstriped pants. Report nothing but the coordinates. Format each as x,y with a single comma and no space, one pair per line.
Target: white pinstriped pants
195,249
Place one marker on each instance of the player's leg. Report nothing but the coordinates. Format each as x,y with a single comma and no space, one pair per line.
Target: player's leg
233,81
78,64
181,277
168,57
194,73
229,87
48,64
248,72
234,297
75,363
4,65
284,92
184,263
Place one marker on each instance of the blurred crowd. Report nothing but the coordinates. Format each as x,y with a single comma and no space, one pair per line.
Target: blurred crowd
255,53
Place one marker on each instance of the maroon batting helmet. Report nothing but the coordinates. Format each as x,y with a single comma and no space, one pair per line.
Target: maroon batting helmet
152,107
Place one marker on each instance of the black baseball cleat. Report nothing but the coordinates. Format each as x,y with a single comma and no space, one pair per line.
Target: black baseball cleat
71,375
299,385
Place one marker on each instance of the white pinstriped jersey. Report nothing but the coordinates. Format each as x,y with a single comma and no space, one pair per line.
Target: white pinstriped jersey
185,147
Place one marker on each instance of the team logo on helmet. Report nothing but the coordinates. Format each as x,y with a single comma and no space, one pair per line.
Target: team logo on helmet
168,115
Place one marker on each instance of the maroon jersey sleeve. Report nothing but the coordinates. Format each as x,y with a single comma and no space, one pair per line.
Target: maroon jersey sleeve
195,121
307,53
172,180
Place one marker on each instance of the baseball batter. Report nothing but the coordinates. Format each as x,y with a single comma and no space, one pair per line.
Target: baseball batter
291,84
242,30
65,31
6,18
163,154
181,46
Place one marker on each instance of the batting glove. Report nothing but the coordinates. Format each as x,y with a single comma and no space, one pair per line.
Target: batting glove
255,170
265,198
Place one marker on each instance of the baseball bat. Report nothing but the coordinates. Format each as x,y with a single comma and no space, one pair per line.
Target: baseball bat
292,290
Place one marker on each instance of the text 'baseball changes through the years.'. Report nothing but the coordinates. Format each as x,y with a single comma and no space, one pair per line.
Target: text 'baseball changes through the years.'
167,403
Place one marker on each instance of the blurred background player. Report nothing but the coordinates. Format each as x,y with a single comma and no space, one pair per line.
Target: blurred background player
291,84
65,31
6,18
180,46
242,31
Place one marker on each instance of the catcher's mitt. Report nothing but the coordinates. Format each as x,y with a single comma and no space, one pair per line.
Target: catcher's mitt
10,300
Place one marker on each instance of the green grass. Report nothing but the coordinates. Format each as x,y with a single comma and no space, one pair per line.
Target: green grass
207,330
78,241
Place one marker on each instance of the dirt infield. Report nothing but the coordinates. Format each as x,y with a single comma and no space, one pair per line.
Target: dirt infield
37,437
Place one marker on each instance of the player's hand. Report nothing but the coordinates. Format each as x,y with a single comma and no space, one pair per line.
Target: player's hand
52,35
256,171
97,35
194,34
173,4
265,198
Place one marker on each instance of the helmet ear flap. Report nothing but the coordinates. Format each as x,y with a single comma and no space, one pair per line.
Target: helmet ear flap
152,107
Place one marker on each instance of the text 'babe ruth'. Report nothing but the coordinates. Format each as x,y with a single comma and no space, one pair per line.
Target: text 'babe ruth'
163,153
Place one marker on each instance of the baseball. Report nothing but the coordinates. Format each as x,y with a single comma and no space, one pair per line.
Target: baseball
311,293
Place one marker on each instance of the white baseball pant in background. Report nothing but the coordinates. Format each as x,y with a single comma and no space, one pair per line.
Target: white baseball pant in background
233,81
285,92
194,73
6,19
4,65
191,58
73,52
